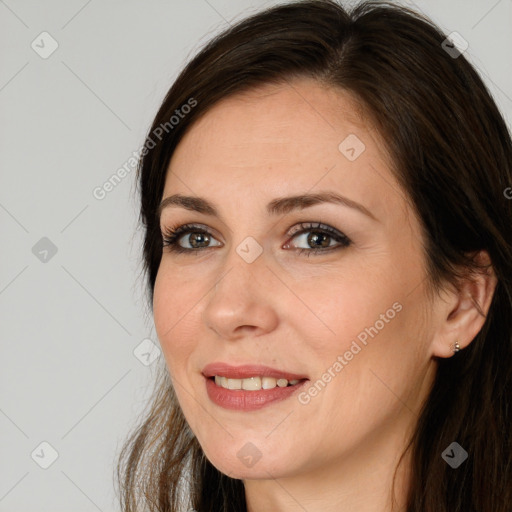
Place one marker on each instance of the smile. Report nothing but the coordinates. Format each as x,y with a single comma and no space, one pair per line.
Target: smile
253,383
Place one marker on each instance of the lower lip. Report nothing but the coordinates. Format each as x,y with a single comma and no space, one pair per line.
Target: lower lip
241,400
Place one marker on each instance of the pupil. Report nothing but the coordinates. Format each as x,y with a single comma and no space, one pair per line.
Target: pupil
313,238
198,238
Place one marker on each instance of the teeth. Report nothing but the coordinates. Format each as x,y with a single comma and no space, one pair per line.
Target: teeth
253,383
234,384
268,383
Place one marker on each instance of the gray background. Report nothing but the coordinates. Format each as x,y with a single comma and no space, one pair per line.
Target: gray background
71,321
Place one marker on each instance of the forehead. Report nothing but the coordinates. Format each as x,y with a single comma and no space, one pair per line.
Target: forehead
282,116
278,138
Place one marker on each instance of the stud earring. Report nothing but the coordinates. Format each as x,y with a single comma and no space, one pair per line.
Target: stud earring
456,347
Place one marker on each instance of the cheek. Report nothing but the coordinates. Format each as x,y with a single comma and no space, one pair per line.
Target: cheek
173,304
370,319
379,348
336,308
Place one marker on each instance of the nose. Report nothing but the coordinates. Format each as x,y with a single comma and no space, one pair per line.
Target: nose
241,303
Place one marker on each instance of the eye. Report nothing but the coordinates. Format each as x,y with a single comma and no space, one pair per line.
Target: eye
318,238
196,237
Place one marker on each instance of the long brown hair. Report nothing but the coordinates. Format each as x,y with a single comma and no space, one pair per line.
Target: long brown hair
452,154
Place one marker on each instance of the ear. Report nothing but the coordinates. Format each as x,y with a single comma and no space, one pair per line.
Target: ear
462,315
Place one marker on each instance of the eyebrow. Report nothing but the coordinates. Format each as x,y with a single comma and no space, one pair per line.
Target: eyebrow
279,206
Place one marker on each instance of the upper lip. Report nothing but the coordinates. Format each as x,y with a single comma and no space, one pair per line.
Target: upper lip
248,370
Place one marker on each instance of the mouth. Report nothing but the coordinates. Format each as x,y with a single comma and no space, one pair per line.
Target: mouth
249,387
255,383
250,373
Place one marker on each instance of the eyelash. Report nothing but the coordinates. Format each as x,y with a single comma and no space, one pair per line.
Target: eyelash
172,235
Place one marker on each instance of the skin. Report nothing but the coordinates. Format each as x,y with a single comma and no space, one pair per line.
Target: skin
299,313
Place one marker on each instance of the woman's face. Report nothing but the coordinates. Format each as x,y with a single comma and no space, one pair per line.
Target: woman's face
330,291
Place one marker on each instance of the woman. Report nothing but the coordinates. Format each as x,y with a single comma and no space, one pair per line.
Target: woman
328,253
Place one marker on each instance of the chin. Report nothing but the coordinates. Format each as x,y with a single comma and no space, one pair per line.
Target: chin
242,465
